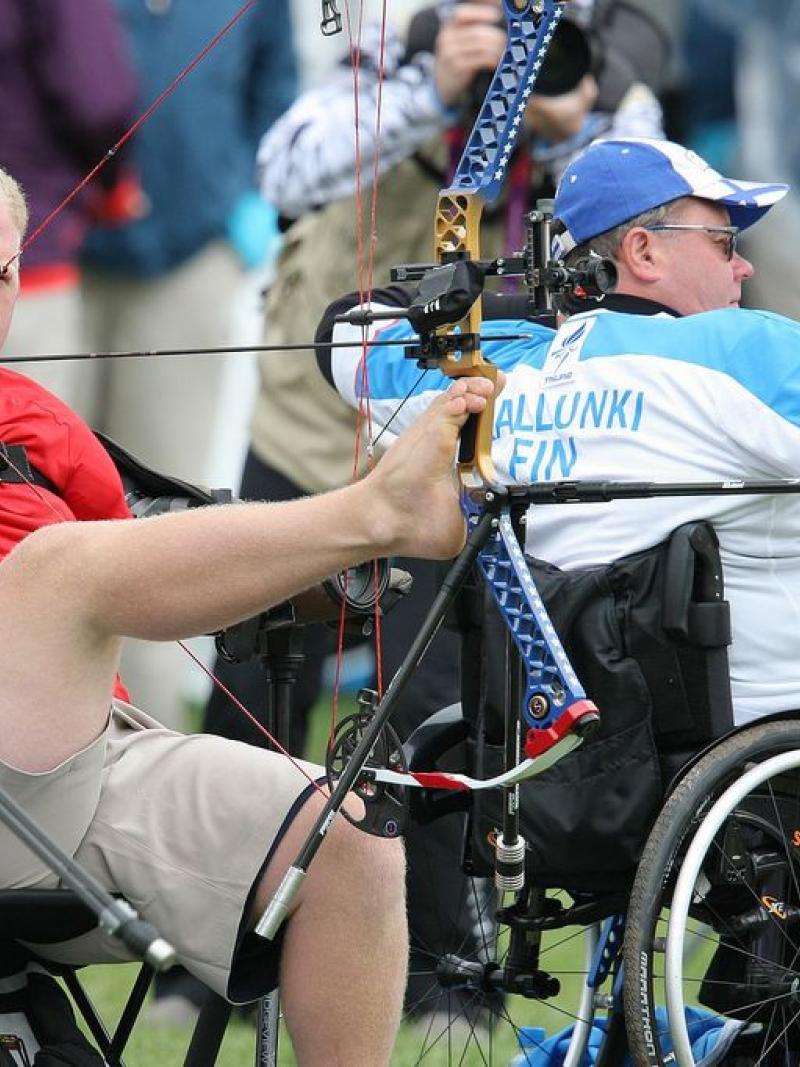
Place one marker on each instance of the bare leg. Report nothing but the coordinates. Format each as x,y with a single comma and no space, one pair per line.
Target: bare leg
344,963
69,591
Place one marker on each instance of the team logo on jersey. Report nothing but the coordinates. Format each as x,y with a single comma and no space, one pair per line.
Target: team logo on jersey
565,351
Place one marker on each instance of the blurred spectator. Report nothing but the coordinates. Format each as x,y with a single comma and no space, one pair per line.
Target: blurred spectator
767,87
710,57
68,96
700,95
603,75
169,279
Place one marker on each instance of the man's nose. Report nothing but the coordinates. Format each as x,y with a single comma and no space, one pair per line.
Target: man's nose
742,268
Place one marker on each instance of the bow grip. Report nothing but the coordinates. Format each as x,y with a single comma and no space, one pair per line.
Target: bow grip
475,467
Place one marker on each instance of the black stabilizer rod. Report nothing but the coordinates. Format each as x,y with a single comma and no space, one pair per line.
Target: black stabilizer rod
280,905
567,492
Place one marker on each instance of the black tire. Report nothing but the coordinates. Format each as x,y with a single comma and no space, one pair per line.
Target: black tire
740,947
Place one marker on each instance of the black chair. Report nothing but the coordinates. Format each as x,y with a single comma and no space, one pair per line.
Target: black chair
45,916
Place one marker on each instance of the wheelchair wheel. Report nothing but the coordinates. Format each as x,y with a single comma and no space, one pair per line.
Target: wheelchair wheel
466,1004
478,1010
470,1006
713,934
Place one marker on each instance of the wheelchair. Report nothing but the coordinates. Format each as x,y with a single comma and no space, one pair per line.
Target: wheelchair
676,934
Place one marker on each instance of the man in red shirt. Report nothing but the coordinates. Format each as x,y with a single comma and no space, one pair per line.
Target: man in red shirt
61,448
197,831
77,478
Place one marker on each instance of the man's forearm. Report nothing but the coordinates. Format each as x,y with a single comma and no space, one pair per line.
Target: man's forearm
308,157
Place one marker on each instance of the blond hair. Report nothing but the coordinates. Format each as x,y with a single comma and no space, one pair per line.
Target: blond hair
11,192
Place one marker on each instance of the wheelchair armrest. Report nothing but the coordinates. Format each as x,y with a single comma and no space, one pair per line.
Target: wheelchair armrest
43,915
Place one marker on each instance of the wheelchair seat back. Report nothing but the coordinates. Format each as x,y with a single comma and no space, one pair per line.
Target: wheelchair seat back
647,636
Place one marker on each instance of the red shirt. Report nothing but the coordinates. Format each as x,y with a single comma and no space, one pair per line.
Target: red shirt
61,446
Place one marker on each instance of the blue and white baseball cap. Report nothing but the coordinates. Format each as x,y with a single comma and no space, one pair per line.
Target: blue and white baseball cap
615,180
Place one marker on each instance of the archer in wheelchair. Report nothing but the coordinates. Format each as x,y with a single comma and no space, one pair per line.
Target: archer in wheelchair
668,417
194,832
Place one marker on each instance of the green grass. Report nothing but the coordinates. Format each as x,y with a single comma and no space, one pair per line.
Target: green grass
149,1046
166,1046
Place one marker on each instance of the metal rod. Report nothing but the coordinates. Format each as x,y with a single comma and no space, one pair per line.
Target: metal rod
510,850
208,1032
604,492
279,907
94,1024
130,1014
55,357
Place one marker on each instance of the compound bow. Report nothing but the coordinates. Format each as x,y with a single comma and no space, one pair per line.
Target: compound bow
554,706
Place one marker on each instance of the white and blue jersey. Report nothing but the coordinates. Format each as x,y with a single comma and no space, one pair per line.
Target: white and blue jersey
621,397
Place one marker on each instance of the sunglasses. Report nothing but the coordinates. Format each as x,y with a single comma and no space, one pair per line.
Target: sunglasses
728,233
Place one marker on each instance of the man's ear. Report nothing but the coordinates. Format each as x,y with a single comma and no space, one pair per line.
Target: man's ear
638,254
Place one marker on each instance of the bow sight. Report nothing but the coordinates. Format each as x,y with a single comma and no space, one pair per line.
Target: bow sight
446,292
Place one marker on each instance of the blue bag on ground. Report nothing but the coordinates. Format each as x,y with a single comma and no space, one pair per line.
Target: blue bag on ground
712,1037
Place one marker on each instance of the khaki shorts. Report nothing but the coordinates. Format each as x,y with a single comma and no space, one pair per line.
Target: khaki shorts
180,825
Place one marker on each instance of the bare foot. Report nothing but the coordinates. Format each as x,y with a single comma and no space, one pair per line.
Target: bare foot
417,506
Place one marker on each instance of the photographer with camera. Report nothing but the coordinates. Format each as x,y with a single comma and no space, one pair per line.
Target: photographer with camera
664,379
602,73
